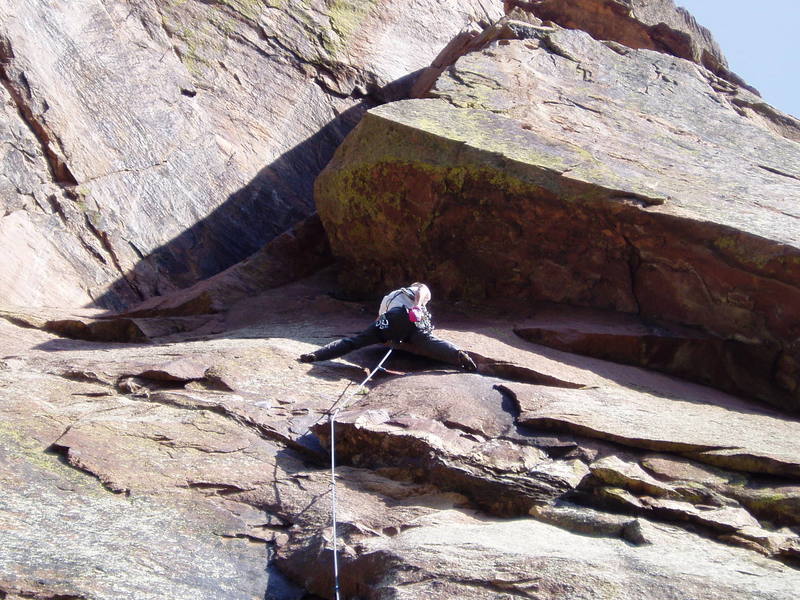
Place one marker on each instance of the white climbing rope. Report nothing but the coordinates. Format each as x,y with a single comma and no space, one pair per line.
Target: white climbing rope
332,419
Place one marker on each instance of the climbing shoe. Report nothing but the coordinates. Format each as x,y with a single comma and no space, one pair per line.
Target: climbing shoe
465,362
307,358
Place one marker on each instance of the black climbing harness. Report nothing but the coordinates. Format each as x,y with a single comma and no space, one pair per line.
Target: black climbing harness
397,325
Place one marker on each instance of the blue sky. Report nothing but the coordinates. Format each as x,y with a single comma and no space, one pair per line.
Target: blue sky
761,41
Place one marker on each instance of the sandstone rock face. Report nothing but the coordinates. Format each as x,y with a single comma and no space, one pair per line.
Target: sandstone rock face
639,24
179,450
189,468
556,168
152,144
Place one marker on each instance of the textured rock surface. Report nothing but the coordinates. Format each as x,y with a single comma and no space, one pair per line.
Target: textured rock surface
186,467
519,181
666,423
178,450
295,253
529,558
151,144
65,536
639,24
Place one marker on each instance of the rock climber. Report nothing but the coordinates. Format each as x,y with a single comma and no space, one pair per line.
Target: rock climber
403,319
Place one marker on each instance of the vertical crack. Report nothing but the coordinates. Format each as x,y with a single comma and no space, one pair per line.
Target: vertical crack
20,93
634,264
106,244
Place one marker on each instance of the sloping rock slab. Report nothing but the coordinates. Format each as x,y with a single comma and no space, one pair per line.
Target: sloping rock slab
206,496
459,557
65,536
134,447
730,435
467,403
72,324
519,181
612,470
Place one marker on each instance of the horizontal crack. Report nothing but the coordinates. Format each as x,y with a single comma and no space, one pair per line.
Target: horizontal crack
779,172
630,441
217,489
518,373
156,165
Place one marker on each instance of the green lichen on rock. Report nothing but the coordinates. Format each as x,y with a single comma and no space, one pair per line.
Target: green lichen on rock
433,132
780,505
250,9
460,158
419,132
346,17
418,172
196,46
691,491
202,38
734,246
21,448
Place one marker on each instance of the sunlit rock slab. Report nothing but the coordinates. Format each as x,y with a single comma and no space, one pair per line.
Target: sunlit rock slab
730,433
161,142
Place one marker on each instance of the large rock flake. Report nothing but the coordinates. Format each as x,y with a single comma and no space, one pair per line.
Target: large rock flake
558,169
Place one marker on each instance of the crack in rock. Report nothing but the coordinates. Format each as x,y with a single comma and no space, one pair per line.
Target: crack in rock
20,93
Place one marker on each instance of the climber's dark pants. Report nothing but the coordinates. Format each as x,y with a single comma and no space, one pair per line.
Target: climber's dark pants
371,335
427,344
403,334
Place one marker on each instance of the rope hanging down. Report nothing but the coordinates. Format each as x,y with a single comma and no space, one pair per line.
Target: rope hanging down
332,419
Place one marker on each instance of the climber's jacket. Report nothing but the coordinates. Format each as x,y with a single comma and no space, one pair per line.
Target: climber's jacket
400,316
